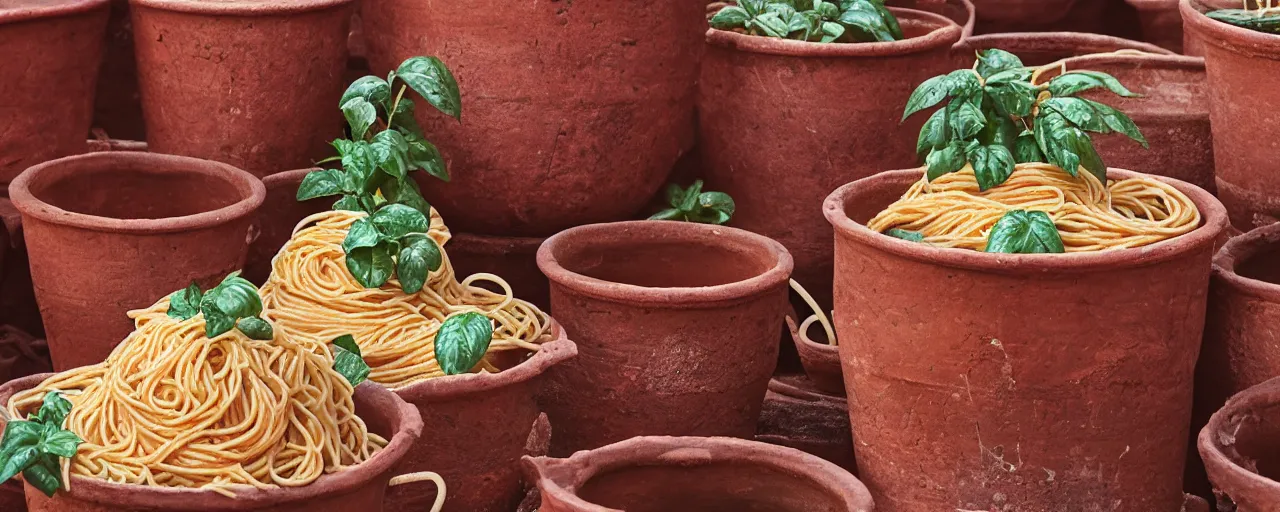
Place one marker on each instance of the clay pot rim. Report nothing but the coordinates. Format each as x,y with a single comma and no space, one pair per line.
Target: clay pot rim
556,351
1241,248
1213,222
825,349
66,8
251,189
675,451
241,7
1227,36
248,497
287,177
1215,459
946,34
667,297
1086,37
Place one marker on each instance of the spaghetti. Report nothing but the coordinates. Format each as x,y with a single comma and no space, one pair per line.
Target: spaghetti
311,294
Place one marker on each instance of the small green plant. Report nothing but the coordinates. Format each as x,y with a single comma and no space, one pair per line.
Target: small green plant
462,341
1264,18
348,361
1025,232
842,21
35,446
233,303
694,205
392,241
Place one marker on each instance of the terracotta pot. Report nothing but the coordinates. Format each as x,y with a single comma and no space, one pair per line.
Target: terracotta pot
1040,48
252,83
677,326
652,474
1191,44
797,415
51,53
1070,390
359,488
821,360
572,113
118,106
757,89
1238,60
111,232
279,214
1161,23
479,426
512,258
1240,449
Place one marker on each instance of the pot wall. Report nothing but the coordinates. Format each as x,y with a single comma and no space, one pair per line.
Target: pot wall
279,214
797,415
1241,449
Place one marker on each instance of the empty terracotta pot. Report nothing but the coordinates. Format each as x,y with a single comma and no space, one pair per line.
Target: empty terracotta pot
478,425
821,361
280,213
51,53
1241,450
774,136
572,112
511,257
1244,127
1040,48
679,474
677,326
1161,23
360,487
1077,398
798,415
111,232
252,83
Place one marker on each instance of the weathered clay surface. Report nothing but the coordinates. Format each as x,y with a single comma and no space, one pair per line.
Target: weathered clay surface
774,136
478,426
667,474
1241,450
512,258
1070,391
1244,127
360,488
677,326
797,415
51,51
111,232
251,83
279,214
1161,23
572,112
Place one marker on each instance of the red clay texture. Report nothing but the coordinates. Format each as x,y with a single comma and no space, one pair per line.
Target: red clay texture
572,112
1040,48
677,474
821,361
1068,388
111,232
1161,23
797,415
1241,450
677,326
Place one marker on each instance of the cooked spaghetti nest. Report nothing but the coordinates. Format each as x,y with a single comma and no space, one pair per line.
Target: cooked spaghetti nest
171,407
310,293
950,211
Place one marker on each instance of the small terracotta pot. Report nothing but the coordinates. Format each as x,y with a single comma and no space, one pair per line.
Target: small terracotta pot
512,258
279,214
762,89
479,426
358,488
51,53
1161,23
797,415
821,361
1241,449
652,474
572,113
1238,60
677,326
252,83
111,232
956,406
1040,48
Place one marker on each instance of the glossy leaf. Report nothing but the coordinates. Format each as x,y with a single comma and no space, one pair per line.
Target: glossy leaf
424,155
730,17
1118,121
1079,112
668,214
362,233
371,266
360,115
866,26
992,165
429,77
945,160
1251,19
348,203
965,118
910,236
1073,82
690,198
396,220
995,60
348,361
184,304
325,182
831,31
462,341
255,328
1024,232
719,202
16,462
54,409
928,94
934,134
390,153
406,192
419,257
1057,140
1026,149
57,441
45,475
372,89
753,7
1012,98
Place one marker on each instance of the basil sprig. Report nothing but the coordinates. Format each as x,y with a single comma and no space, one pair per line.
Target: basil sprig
234,303
997,117
1025,232
392,241
1252,19
33,447
841,21
375,163
694,205
348,361
462,341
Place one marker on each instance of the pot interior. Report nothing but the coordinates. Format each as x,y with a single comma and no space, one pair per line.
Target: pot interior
667,262
1251,438
1263,262
134,190
720,486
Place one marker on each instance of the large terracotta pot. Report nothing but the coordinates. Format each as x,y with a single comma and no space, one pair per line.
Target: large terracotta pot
1241,450
110,232
797,415
1068,389
663,474
1040,48
511,257
1245,134
571,112
776,132
280,213
478,427
677,326
1161,23
51,50
359,488
252,83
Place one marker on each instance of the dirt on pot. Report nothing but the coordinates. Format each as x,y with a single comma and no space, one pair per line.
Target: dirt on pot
1240,446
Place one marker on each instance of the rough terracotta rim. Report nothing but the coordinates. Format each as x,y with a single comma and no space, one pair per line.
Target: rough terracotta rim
1261,396
66,8
655,230
251,190
683,451
1229,37
1213,222
241,7
287,177
1240,249
493,245
1067,39
248,497
553,352
946,34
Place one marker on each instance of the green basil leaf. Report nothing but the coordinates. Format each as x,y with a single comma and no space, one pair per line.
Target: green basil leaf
1079,112
784,11
321,183
768,24
462,341
417,259
348,203
1057,141
1026,149
18,434
995,60
1012,98
675,195
1073,82
255,328
992,165
217,323
866,26
360,115
730,17
371,266
390,153
372,89
965,85
928,94
668,214
397,220
910,236
966,119
347,360
44,474
406,192
403,119
359,165
1024,232
934,134
54,409
945,160
362,233
62,443
429,77
801,26
235,296
753,7
1117,121
890,21
1251,19
1089,158
690,199
424,155
718,202
1011,75
20,459
831,31
185,303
